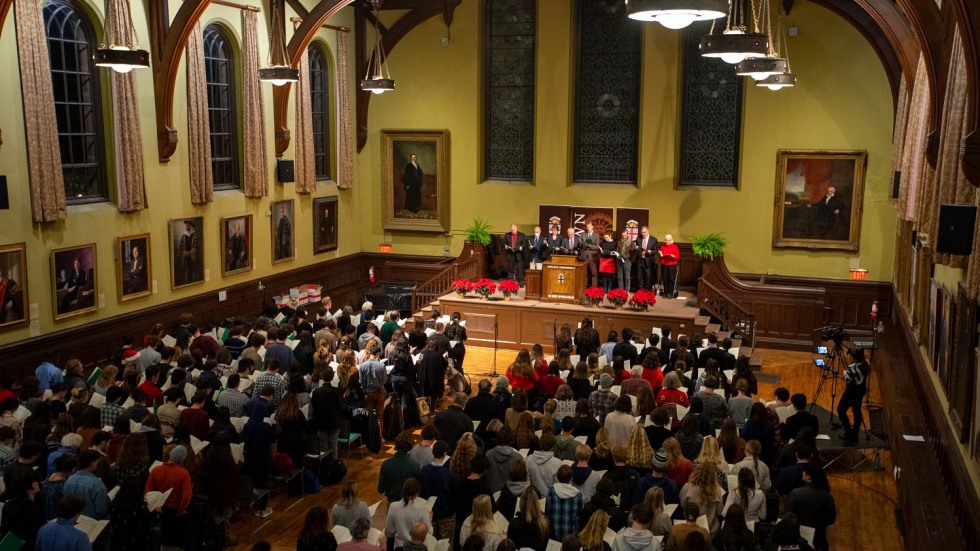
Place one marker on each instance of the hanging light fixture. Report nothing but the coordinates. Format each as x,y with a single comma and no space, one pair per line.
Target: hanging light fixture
278,72
124,56
675,14
785,78
736,42
380,80
762,67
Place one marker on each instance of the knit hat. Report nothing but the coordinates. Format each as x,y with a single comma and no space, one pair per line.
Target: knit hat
178,454
605,380
660,461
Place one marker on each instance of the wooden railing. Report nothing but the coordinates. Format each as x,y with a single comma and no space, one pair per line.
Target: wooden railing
729,313
440,284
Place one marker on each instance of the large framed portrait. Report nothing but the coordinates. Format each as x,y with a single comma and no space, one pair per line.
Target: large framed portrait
819,198
415,180
236,244
13,285
325,224
282,231
75,280
133,270
186,252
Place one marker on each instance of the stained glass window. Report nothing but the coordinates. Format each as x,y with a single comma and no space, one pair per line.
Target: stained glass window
509,93
219,66
320,103
607,93
711,116
74,77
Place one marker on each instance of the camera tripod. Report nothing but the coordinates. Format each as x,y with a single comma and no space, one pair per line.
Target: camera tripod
835,364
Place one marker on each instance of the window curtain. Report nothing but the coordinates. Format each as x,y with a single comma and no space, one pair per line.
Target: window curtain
951,183
898,133
914,165
345,165
198,125
40,125
305,163
256,180
130,183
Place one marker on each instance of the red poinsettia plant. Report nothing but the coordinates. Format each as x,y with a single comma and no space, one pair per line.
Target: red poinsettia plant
461,286
643,299
595,294
618,296
509,287
484,287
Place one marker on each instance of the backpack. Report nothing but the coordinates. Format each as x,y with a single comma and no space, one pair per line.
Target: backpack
393,420
459,382
332,471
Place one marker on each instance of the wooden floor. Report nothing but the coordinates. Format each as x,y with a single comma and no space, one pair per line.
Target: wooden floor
865,499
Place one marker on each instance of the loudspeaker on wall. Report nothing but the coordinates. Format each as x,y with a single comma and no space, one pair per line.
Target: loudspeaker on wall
956,224
284,171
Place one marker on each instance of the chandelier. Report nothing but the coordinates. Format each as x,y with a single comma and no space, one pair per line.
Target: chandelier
121,58
278,72
675,14
737,41
379,81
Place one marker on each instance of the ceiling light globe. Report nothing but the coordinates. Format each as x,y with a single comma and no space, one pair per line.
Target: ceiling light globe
676,20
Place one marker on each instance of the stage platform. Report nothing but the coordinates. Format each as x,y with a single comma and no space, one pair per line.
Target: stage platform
520,323
834,450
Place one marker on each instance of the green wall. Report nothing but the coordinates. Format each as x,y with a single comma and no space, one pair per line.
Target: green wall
842,101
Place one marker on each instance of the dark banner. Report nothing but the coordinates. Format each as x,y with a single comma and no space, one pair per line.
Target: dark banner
601,218
631,220
558,216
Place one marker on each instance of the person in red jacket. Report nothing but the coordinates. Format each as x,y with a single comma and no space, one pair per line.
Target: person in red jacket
669,256
175,522
521,373
653,373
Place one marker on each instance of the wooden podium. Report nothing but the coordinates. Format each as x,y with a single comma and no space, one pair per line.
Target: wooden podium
563,279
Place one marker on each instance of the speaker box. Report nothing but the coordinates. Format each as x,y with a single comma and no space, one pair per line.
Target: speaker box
284,171
4,199
896,184
956,224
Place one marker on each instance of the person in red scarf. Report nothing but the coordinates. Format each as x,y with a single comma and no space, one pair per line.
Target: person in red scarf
669,255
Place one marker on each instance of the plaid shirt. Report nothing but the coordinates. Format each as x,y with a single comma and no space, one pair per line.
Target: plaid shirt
715,406
109,413
602,403
49,496
563,513
275,381
633,385
234,400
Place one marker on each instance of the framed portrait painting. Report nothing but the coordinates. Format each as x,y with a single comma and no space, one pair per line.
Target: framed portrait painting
324,224
186,252
75,280
415,180
819,199
282,231
13,285
236,244
133,271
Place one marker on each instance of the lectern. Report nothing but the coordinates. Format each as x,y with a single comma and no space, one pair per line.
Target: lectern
563,279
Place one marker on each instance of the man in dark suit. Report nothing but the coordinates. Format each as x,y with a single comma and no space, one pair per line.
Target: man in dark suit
188,251
137,273
284,236
537,246
74,280
514,245
713,353
237,250
647,248
590,254
827,216
571,243
800,419
412,181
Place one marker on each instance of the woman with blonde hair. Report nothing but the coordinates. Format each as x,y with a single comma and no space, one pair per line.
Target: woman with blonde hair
590,538
529,527
639,453
563,358
347,364
660,522
602,459
524,436
679,468
703,490
459,462
349,508
711,455
752,462
106,379
483,524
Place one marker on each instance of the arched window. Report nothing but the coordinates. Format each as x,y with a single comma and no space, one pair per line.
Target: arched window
219,65
607,93
320,110
77,101
509,61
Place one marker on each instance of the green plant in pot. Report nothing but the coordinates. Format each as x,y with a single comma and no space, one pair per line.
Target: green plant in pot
479,232
709,246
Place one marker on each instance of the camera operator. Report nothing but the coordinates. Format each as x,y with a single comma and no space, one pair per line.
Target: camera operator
856,378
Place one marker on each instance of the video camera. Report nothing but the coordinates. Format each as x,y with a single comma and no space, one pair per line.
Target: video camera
834,333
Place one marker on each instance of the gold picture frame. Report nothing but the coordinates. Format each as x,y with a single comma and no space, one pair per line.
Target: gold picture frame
236,244
186,252
325,210
415,195
14,296
807,215
134,271
74,281
283,231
